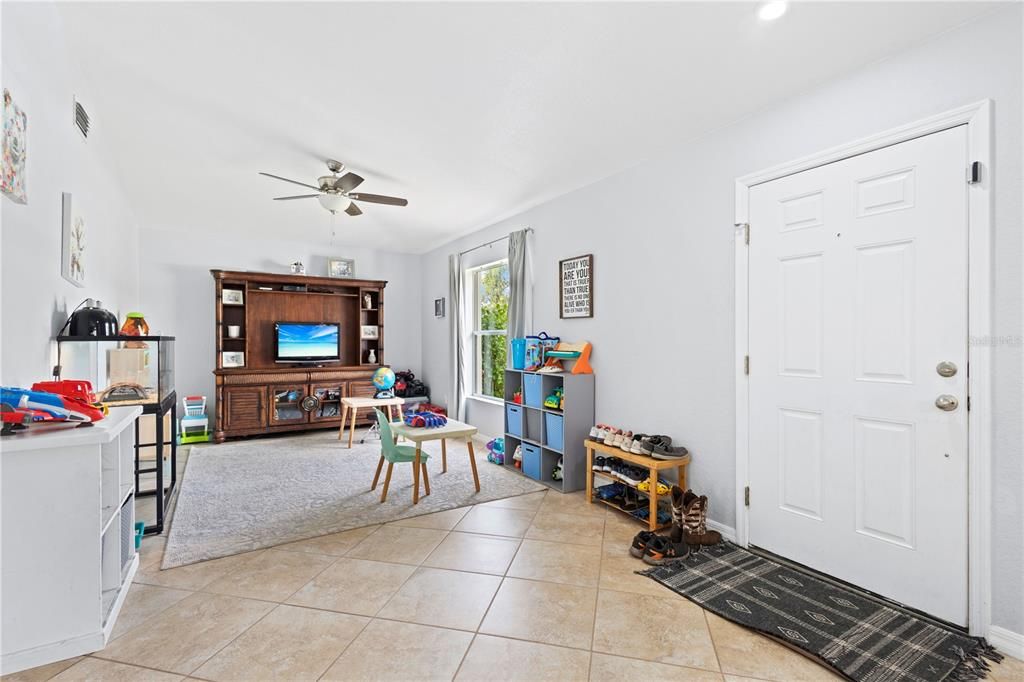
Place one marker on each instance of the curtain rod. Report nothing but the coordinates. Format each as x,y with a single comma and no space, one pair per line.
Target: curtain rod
493,241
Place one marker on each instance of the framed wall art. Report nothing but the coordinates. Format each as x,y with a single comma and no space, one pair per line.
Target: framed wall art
369,331
232,297
13,150
576,287
72,243
341,267
232,359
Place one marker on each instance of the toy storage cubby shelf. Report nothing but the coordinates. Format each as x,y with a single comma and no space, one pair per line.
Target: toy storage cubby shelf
545,433
68,538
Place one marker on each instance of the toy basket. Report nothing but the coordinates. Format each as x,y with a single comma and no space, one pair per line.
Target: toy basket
536,346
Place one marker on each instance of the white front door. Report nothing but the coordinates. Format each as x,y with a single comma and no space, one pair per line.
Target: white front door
858,291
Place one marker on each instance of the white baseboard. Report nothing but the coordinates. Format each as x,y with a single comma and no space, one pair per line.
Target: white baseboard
16,661
1008,642
728,532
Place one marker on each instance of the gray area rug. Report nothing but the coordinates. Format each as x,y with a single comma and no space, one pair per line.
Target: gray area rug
855,634
245,495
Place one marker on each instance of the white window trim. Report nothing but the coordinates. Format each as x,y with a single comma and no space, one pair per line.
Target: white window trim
475,333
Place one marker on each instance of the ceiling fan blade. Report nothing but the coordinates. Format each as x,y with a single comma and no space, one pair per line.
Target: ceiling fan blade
380,199
294,182
348,182
353,210
297,196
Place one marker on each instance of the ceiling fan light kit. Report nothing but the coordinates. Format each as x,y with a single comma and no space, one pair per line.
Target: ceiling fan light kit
333,191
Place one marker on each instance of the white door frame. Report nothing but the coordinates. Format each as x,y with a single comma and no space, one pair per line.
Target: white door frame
978,118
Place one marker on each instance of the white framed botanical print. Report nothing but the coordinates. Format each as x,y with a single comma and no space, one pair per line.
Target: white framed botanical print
369,331
232,297
72,243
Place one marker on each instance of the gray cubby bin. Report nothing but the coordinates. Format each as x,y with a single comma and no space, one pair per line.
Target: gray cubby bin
576,420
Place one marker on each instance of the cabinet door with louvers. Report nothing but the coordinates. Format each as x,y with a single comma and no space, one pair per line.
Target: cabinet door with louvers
244,407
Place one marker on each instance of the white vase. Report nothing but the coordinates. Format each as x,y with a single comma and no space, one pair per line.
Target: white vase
372,357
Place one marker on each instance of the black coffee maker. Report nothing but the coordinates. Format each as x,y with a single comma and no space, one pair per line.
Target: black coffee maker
92,320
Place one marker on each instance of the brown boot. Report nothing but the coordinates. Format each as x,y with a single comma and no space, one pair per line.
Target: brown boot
678,529
695,520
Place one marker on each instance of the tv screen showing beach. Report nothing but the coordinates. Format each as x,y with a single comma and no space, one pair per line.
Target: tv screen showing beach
307,341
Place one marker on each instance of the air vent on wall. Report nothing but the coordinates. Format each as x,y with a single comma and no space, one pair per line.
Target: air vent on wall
81,119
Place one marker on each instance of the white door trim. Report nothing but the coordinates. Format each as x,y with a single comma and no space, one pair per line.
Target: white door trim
978,118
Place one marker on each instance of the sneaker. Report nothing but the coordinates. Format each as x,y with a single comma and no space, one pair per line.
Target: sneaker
669,452
626,442
651,442
610,463
598,464
615,439
635,446
594,430
661,550
640,541
634,475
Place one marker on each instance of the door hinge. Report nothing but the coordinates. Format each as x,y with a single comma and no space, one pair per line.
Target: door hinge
746,364
746,496
968,403
974,173
746,232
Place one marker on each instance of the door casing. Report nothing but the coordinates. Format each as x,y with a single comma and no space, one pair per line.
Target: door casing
978,118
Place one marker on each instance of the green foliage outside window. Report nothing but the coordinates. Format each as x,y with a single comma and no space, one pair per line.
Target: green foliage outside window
492,298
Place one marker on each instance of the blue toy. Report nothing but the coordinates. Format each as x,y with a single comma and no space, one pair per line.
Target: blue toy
384,381
496,451
429,420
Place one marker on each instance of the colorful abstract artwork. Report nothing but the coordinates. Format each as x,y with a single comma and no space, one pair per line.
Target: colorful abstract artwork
14,141
72,254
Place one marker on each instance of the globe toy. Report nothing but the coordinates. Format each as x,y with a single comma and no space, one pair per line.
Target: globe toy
384,381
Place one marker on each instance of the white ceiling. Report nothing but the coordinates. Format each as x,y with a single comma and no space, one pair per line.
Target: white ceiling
471,111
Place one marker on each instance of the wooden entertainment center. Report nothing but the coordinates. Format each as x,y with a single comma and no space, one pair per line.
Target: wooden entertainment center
257,395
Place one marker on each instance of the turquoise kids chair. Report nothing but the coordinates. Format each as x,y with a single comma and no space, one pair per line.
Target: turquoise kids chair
392,452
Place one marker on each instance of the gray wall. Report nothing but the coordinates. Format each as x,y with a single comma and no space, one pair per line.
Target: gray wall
35,300
177,293
662,238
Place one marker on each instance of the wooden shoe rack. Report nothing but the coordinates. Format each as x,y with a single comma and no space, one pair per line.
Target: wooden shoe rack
654,466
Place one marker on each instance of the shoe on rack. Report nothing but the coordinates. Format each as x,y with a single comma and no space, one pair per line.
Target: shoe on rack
648,444
610,463
627,441
662,549
669,452
634,475
598,464
635,446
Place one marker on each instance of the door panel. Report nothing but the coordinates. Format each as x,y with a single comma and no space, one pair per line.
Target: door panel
286,405
858,289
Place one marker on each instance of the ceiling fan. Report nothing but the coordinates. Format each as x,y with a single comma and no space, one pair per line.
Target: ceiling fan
335,191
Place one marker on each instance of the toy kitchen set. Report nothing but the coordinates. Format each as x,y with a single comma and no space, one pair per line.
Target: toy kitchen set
128,366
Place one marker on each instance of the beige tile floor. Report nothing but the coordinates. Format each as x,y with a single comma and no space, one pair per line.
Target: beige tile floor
499,591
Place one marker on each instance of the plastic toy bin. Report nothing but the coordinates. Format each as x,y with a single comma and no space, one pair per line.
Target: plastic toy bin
553,430
533,390
514,419
532,461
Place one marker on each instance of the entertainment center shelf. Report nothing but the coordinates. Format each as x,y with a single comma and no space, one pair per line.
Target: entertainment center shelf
257,393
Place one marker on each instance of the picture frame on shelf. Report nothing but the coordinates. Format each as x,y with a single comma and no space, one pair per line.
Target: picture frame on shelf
439,307
341,267
369,331
232,297
232,359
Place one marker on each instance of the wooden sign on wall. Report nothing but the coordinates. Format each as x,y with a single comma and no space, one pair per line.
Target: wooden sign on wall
576,287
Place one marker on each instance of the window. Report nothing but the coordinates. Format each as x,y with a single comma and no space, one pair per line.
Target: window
490,289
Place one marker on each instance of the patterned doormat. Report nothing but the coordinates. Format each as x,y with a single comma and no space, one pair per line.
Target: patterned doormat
858,636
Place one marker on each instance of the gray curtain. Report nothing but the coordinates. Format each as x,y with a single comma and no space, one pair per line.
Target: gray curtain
457,316
518,287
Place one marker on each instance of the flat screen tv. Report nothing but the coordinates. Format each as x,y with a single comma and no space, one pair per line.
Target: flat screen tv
307,341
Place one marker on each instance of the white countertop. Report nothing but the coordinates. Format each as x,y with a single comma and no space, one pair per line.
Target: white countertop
55,436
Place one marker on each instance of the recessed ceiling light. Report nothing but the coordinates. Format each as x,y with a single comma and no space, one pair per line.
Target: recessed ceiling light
770,11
